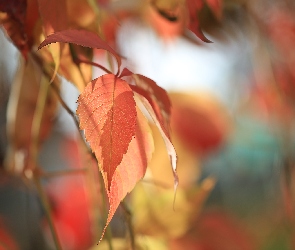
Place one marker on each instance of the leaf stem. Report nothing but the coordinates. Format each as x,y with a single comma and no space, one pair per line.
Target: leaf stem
79,60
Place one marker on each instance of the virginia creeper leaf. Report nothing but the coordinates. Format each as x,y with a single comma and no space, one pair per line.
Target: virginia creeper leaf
133,165
80,37
107,113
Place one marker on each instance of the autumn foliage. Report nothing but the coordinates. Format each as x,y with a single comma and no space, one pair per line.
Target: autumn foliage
122,116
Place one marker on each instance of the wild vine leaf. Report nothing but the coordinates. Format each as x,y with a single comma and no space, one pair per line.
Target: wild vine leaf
80,37
157,103
107,113
133,165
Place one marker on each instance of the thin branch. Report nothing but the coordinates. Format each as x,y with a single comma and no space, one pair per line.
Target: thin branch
64,105
36,125
128,218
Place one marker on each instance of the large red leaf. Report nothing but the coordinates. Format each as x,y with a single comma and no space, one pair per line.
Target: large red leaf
107,113
133,165
80,37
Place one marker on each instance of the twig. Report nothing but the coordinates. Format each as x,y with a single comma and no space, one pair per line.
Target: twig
36,124
128,217
64,105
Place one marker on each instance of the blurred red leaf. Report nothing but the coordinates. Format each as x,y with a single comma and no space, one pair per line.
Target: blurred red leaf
6,240
54,15
14,22
133,165
71,216
80,37
201,124
215,231
168,19
194,7
107,113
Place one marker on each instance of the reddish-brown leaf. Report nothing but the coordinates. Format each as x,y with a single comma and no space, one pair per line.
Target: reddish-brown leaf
107,113
54,15
13,20
133,165
80,37
194,7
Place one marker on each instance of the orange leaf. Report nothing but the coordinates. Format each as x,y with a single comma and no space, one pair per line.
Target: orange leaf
107,113
80,37
133,165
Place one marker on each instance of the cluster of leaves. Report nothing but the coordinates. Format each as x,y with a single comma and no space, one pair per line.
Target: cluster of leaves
114,126
111,107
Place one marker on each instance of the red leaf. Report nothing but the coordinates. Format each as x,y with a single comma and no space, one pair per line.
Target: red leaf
80,37
133,165
54,15
107,113
194,6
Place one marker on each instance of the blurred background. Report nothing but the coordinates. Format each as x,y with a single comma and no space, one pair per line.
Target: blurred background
227,66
